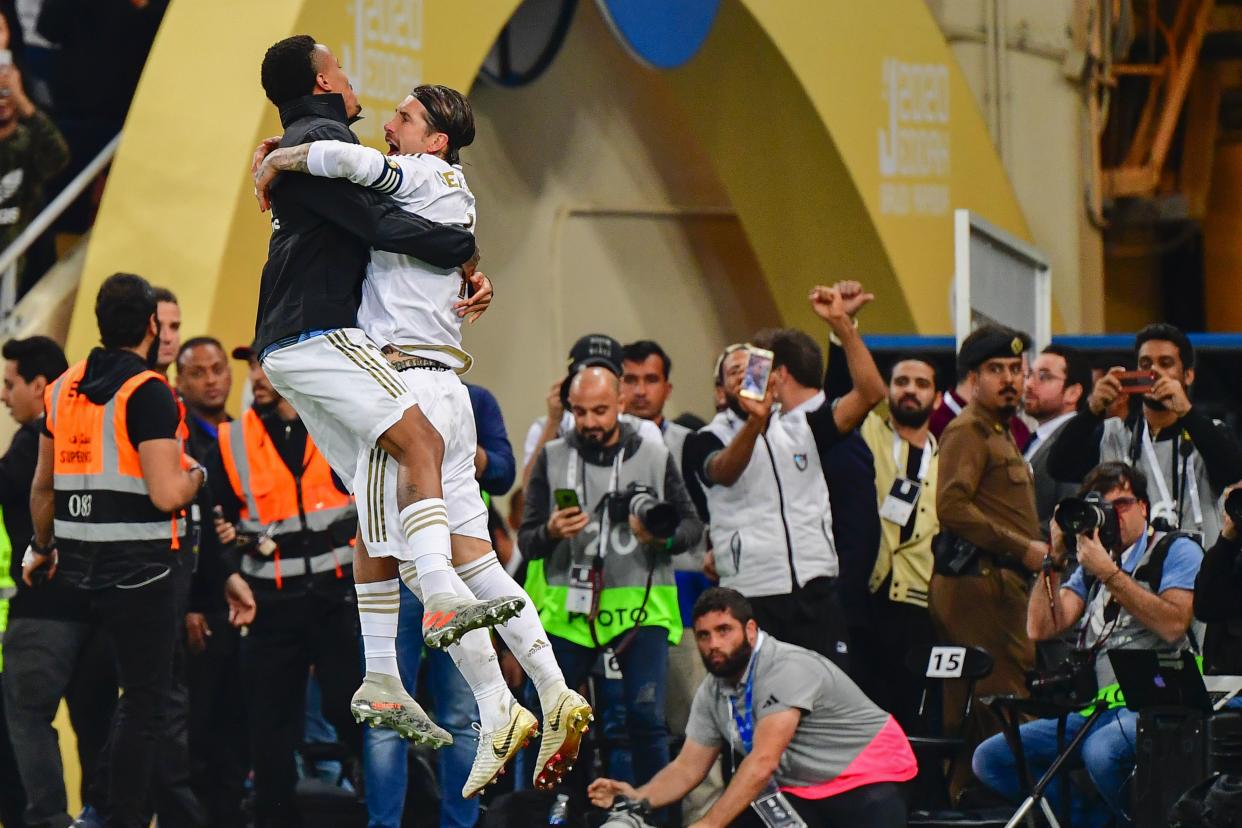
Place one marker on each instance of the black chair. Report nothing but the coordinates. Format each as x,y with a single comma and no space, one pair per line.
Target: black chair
937,750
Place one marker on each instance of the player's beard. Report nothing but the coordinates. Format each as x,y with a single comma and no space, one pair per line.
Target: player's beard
598,438
735,405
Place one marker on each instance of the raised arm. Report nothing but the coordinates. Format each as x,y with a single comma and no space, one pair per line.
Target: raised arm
836,306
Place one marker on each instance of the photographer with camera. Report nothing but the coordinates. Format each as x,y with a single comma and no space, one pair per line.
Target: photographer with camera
1218,592
1134,589
606,509
1188,457
817,752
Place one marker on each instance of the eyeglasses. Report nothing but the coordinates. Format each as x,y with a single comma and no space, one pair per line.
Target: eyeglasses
1043,376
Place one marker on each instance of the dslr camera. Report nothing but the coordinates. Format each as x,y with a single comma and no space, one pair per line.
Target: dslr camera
658,516
1070,684
626,813
1083,515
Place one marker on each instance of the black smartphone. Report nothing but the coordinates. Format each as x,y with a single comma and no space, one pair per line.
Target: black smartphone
565,498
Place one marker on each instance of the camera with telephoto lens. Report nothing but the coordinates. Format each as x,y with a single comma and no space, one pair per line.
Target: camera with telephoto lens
1070,684
627,813
1083,515
659,517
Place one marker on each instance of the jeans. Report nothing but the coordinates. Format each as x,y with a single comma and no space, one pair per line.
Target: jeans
1107,752
47,659
385,754
644,679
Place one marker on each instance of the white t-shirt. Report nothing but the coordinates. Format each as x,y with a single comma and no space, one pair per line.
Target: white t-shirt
405,301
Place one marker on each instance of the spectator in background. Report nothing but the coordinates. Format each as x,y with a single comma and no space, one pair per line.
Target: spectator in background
990,541
1218,595
169,315
52,651
763,473
494,466
217,722
904,454
1188,457
32,152
1057,385
103,48
30,365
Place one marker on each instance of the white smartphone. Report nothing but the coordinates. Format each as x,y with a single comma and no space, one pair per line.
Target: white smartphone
758,369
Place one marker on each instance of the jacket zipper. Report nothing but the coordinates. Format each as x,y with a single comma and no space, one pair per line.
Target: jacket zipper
780,495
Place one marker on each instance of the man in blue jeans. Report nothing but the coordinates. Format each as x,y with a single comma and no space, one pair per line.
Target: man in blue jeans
385,753
1134,589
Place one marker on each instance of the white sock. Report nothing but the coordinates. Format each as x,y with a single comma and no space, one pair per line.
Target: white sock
426,527
524,634
378,604
475,659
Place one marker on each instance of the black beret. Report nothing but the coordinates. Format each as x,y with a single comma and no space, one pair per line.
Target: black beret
991,342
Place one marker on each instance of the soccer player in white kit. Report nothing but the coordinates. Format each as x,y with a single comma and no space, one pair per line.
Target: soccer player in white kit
408,308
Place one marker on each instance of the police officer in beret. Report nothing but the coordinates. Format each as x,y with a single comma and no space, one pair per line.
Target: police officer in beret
990,541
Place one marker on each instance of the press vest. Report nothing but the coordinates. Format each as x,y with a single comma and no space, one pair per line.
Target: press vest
311,521
772,529
7,586
626,562
101,496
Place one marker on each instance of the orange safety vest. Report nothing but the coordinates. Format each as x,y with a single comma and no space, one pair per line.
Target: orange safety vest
101,495
277,503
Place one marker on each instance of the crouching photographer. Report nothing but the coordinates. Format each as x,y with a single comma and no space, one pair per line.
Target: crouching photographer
605,512
1134,589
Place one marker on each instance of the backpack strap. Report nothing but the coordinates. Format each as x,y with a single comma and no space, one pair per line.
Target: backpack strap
1153,571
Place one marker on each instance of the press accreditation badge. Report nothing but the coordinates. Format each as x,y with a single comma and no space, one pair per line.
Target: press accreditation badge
774,810
581,595
901,500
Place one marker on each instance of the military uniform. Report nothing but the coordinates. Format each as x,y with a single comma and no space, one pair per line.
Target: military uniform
986,496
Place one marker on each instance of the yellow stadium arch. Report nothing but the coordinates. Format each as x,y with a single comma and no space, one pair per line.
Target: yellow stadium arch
843,133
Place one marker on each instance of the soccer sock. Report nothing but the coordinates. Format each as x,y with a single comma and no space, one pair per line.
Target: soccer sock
378,604
524,634
426,526
475,659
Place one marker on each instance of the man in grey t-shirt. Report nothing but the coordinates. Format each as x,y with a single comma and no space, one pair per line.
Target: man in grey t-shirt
805,730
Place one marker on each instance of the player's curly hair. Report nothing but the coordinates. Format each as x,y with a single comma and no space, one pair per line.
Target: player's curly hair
288,70
448,111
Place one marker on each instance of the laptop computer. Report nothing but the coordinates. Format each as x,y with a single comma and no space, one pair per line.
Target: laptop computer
1151,679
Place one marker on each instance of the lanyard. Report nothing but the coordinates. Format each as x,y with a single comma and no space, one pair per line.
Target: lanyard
1183,475
614,480
744,719
924,461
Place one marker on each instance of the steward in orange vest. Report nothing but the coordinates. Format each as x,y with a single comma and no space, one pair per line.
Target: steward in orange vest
300,521
108,507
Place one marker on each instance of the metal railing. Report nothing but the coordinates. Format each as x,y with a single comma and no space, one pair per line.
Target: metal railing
12,254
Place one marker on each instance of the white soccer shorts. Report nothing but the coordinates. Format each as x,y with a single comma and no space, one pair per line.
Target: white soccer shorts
444,400
344,390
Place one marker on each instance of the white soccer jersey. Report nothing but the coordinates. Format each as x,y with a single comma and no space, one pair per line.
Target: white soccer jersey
406,302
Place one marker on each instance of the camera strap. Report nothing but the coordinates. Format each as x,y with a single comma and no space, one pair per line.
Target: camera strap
573,464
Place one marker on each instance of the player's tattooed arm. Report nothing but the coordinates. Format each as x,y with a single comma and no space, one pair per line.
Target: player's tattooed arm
286,159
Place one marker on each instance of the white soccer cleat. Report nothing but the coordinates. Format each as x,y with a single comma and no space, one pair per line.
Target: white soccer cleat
447,617
498,747
381,701
564,723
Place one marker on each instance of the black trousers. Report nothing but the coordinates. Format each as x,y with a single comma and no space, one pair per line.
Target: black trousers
895,629
143,628
173,797
12,795
293,631
218,740
875,806
810,617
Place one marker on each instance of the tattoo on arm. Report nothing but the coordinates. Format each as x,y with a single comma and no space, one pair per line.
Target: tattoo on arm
290,159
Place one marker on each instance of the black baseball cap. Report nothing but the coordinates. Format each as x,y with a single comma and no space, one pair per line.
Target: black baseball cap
592,349
245,352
